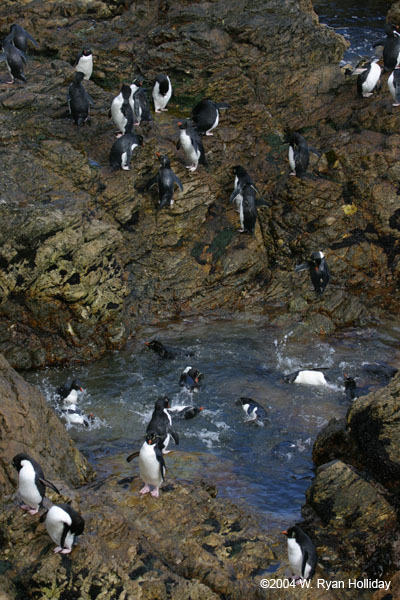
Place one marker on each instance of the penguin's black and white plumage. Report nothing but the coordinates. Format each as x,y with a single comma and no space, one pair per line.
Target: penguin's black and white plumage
186,412
74,416
151,465
301,553
20,38
63,523
190,141
162,92
394,86
299,155
205,115
352,390
121,150
391,47
69,392
166,181
248,209
121,111
84,62
31,482
368,78
252,409
318,269
161,424
138,101
307,377
241,179
159,348
78,100
190,378
15,60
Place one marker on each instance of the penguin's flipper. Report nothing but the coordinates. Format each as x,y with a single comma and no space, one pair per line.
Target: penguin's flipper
178,144
160,458
151,182
236,192
43,516
78,59
314,151
178,182
262,202
64,535
2,57
132,456
221,105
22,54
109,114
90,99
301,267
175,436
304,563
32,39
49,484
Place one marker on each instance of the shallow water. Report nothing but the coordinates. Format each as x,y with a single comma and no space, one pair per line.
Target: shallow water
268,467
362,23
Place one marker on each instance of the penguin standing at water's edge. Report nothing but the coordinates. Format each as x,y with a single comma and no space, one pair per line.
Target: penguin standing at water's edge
151,465
301,553
63,523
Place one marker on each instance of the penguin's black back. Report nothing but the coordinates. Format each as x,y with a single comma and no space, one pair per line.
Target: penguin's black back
391,51
204,115
249,208
362,78
163,83
78,100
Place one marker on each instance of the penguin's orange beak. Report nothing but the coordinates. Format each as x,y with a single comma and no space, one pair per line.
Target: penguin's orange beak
284,532
158,154
201,407
147,343
179,122
81,389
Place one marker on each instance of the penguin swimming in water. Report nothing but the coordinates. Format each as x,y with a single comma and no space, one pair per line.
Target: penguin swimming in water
15,60
151,465
166,180
391,47
186,412
159,348
368,78
84,62
299,155
319,271
190,378
121,150
307,376
252,409
162,92
63,523
31,482
301,553
74,416
191,143
205,115
69,391
161,424
20,38
78,100
121,111
394,86
352,390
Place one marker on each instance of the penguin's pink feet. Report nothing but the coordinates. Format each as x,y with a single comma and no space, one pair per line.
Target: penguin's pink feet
155,493
398,104
164,109
33,511
25,507
192,168
118,135
292,174
145,489
209,133
125,168
66,550
166,451
158,110
241,230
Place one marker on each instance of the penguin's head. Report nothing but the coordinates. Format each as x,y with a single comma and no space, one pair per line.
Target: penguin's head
317,257
86,50
18,459
183,124
157,346
243,400
138,80
238,171
192,411
126,91
161,403
76,385
295,533
151,438
78,77
164,160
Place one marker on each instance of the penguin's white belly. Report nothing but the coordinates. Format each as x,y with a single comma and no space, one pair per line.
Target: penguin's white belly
391,87
149,467
372,79
215,122
241,214
85,66
191,154
311,378
71,398
27,487
117,116
74,418
161,101
55,519
291,159
296,559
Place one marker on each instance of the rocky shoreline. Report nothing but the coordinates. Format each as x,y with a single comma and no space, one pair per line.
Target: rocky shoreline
86,258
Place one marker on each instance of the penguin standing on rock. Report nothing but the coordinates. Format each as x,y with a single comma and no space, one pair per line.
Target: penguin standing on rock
78,100
299,155
242,178
31,482
301,553
162,92
319,271
15,60
368,78
121,150
394,86
191,143
20,38
63,523
139,102
151,465
391,47
84,62
121,111
161,424
248,210
205,115
166,180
